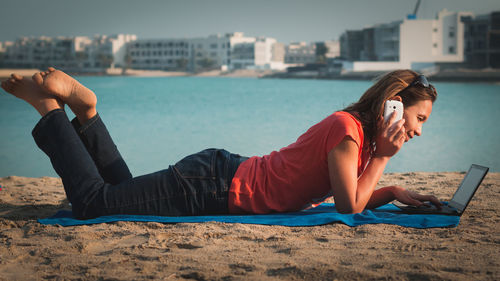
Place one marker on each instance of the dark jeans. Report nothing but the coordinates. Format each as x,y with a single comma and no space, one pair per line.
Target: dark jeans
98,182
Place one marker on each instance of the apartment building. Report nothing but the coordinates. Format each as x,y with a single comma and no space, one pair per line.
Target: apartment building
158,54
83,54
67,53
410,43
300,53
439,40
352,44
255,54
482,40
226,52
333,48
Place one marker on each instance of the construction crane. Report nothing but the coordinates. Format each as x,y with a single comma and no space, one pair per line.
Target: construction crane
414,15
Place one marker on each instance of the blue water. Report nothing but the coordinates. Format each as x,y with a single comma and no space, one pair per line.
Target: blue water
157,121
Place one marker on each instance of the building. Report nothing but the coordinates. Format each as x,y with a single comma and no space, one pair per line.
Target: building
386,41
100,53
225,52
351,45
300,53
440,40
482,40
333,47
411,43
158,54
67,53
255,53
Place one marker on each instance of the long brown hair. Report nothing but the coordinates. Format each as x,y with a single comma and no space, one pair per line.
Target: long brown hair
370,106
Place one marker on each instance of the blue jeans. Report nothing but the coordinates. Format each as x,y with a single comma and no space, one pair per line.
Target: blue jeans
98,182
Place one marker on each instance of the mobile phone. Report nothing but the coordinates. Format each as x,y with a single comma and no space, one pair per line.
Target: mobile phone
393,106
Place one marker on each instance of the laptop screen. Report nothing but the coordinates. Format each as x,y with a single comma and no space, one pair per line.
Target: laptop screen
468,187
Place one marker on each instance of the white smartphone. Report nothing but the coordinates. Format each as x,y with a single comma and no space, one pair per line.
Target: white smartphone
393,106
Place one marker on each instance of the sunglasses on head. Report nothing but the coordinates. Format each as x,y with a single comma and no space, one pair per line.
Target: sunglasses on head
422,81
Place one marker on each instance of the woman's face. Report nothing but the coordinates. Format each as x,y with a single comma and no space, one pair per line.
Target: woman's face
415,116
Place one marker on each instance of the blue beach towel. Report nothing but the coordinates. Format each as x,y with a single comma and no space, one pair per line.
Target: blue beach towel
323,214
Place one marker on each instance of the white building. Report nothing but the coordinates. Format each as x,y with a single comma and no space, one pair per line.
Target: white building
254,53
68,53
333,48
101,53
230,51
300,53
158,54
416,43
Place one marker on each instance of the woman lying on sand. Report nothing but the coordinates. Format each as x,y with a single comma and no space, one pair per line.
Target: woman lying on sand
342,156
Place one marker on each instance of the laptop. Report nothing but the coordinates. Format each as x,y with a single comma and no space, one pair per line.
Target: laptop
456,206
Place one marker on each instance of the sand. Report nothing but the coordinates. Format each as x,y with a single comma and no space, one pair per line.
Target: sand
219,251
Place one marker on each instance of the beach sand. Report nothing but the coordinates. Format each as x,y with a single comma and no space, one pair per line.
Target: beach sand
220,251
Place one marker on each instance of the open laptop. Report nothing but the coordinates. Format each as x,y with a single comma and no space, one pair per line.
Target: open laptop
456,206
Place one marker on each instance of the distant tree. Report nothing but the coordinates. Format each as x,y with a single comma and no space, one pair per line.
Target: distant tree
206,63
105,60
80,57
321,51
181,64
128,62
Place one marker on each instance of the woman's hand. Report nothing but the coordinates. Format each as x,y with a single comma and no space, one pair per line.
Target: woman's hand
390,137
412,198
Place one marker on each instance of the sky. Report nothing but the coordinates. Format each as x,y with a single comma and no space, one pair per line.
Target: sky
286,20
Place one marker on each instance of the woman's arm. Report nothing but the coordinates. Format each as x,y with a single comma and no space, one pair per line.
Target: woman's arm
350,193
387,194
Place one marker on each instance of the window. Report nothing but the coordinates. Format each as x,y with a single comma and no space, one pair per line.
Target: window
451,50
213,46
451,34
435,45
435,30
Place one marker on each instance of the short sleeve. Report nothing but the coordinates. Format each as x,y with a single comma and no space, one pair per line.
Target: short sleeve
342,124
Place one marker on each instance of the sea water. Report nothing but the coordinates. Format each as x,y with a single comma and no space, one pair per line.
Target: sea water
156,121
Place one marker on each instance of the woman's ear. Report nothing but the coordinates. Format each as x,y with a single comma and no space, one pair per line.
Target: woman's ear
398,98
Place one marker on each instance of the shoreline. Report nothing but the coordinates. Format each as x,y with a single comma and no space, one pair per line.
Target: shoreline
459,75
242,73
223,251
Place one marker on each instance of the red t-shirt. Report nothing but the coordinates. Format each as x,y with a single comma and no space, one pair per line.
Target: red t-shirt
296,177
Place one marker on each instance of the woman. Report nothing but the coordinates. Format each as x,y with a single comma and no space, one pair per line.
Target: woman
342,156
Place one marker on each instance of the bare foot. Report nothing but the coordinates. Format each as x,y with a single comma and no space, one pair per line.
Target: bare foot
26,89
80,99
